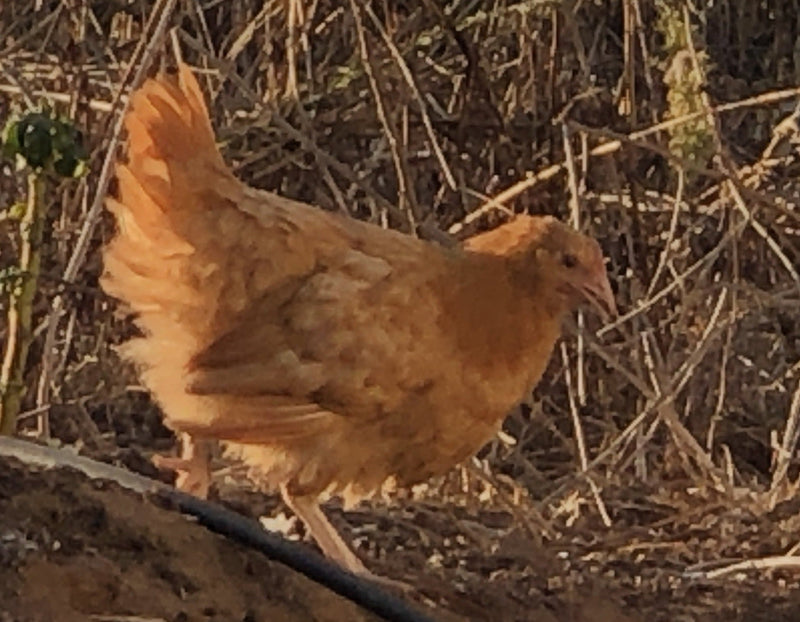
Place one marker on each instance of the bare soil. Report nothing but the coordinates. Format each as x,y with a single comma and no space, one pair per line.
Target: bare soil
74,549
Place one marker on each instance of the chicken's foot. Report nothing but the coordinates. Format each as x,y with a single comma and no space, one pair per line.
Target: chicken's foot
192,467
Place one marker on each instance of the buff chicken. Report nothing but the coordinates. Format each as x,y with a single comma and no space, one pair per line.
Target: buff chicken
331,356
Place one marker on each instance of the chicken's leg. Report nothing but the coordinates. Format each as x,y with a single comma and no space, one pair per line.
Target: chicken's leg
329,540
194,473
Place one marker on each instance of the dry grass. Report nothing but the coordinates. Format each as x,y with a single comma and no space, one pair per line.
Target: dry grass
433,121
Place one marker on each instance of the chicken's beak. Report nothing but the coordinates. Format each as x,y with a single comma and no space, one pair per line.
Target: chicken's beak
598,293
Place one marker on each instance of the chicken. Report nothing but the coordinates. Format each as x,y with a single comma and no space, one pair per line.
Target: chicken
331,356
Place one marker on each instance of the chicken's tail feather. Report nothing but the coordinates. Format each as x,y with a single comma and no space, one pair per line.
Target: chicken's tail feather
172,176
172,157
169,121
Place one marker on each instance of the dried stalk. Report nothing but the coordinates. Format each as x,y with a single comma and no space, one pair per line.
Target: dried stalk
20,305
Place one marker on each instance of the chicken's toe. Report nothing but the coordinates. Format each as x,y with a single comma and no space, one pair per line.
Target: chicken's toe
192,467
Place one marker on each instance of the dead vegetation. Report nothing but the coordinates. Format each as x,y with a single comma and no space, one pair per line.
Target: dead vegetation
660,448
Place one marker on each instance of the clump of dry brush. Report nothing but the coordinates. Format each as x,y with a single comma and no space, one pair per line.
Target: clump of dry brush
673,142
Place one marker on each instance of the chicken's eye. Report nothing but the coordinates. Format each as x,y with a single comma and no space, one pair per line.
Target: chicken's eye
569,260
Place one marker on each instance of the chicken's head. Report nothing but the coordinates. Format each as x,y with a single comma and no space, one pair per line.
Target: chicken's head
566,262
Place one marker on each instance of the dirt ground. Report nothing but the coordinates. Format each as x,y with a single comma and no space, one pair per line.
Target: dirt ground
73,549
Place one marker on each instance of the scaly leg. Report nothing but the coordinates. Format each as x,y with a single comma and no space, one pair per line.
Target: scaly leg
307,510
330,541
194,473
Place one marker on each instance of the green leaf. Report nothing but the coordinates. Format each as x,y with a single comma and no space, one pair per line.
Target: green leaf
70,155
41,141
35,136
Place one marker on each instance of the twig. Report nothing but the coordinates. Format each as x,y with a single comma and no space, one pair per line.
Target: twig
673,225
732,182
581,441
531,518
403,187
765,563
611,146
791,434
64,98
677,282
575,210
628,96
423,108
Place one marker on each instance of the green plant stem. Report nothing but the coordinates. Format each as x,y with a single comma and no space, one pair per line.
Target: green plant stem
20,306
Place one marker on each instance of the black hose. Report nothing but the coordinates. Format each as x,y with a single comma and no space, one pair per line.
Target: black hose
250,533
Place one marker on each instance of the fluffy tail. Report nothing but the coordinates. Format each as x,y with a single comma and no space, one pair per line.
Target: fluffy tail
172,165
171,199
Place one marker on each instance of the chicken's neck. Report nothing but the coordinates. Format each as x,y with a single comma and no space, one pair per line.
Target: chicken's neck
502,325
